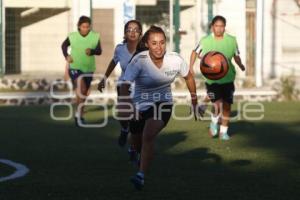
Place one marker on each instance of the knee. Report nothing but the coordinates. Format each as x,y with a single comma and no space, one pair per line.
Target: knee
83,91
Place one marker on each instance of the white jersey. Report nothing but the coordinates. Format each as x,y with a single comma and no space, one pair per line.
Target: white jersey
122,56
152,84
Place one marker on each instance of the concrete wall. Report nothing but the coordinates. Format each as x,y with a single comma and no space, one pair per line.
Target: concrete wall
103,24
281,38
41,39
188,41
41,44
288,20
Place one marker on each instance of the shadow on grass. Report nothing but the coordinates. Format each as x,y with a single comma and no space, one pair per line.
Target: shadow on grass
72,163
200,174
281,138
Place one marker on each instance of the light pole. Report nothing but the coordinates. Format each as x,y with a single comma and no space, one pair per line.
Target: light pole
171,32
209,13
259,42
1,41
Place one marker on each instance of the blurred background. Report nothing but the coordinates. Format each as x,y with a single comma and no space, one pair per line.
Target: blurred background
32,32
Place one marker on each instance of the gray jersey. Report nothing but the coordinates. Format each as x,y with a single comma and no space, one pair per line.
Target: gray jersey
152,84
122,56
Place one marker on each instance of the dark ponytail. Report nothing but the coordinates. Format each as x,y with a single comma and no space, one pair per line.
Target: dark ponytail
141,46
153,29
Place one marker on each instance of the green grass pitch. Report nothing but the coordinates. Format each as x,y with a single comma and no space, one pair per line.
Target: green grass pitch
261,161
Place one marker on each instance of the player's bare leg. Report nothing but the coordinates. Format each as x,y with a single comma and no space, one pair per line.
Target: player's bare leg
134,150
214,126
122,140
225,121
81,94
151,130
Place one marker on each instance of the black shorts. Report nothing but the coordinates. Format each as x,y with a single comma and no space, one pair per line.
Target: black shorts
160,111
119,91
75,73
220,91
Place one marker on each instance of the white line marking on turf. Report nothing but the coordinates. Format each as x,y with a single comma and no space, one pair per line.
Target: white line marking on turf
21,170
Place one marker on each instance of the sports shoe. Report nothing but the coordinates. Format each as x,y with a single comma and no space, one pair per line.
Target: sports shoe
123,137
213,129
138,181
224,136
202,109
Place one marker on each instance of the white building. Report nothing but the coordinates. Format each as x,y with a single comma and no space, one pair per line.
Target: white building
33,30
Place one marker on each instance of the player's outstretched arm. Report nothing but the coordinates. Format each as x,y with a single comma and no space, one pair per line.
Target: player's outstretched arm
192,62
190,82
110,68
64,48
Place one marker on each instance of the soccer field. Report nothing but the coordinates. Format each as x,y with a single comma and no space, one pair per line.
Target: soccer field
261,161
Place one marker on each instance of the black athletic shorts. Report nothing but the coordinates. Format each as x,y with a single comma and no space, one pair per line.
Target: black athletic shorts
75,73
220,91
119,90
160,111
130,90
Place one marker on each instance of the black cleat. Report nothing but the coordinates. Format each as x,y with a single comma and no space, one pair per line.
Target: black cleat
123,138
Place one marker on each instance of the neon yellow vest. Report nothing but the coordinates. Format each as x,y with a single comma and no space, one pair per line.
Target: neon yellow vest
79,44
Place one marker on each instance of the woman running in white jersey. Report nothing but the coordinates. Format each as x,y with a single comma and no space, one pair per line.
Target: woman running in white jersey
153,71
122,55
